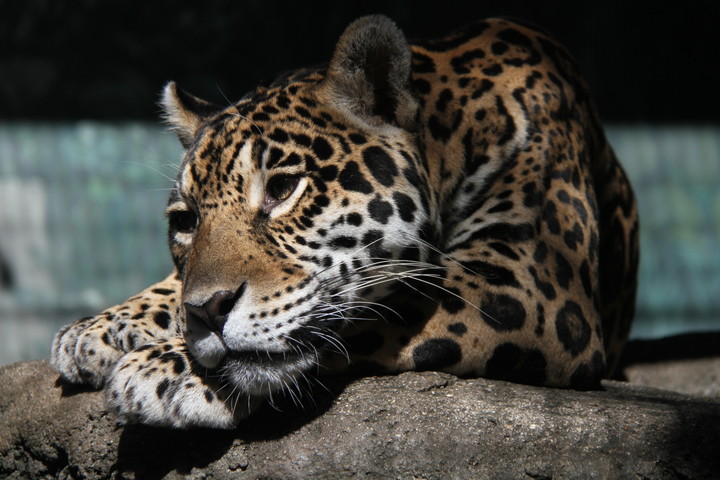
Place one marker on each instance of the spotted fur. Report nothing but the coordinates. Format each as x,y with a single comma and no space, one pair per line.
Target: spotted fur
452,205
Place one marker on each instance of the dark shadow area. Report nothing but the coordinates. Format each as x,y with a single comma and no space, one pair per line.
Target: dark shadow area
109,59
7,280
272,422
697,425
677,347
151,453
69,389
681,452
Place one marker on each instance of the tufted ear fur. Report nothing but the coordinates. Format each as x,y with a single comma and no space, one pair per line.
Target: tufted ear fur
184,112
369,74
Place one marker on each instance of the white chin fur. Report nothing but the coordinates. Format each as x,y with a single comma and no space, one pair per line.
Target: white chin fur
204,345
265,378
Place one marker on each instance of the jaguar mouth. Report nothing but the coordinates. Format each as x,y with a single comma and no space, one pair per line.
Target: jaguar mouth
263,373
259,357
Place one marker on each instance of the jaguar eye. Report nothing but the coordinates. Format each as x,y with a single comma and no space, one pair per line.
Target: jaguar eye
278,189
183,221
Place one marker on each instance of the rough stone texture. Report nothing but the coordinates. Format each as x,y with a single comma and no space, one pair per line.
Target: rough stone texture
413,425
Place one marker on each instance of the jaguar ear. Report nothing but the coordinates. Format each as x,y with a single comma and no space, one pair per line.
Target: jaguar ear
184,112
369,74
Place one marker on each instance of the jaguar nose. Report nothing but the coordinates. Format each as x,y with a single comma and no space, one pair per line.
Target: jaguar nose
214,312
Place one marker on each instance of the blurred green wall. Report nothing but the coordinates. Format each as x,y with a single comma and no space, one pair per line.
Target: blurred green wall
82,227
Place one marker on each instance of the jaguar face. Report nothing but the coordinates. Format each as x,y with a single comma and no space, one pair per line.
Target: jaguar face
283,223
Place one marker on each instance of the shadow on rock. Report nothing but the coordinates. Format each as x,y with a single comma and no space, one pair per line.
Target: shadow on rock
287,414
152,452
71,389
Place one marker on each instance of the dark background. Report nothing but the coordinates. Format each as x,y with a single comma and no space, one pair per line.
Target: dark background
92,59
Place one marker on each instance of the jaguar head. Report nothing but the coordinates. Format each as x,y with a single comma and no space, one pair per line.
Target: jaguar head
297,206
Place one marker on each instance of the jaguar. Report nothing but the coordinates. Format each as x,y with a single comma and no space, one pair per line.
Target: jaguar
450,205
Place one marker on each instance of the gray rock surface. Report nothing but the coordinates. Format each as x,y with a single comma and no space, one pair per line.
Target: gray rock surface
409,426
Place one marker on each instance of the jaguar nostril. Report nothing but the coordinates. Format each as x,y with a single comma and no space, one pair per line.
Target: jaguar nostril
214,312
227,302
226,306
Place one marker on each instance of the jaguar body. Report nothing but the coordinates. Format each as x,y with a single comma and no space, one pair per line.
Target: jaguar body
452,205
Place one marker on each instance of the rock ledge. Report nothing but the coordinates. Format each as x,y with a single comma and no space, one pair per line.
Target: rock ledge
414,425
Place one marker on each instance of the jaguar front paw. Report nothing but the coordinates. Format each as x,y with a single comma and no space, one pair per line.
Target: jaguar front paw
84,352
158,384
